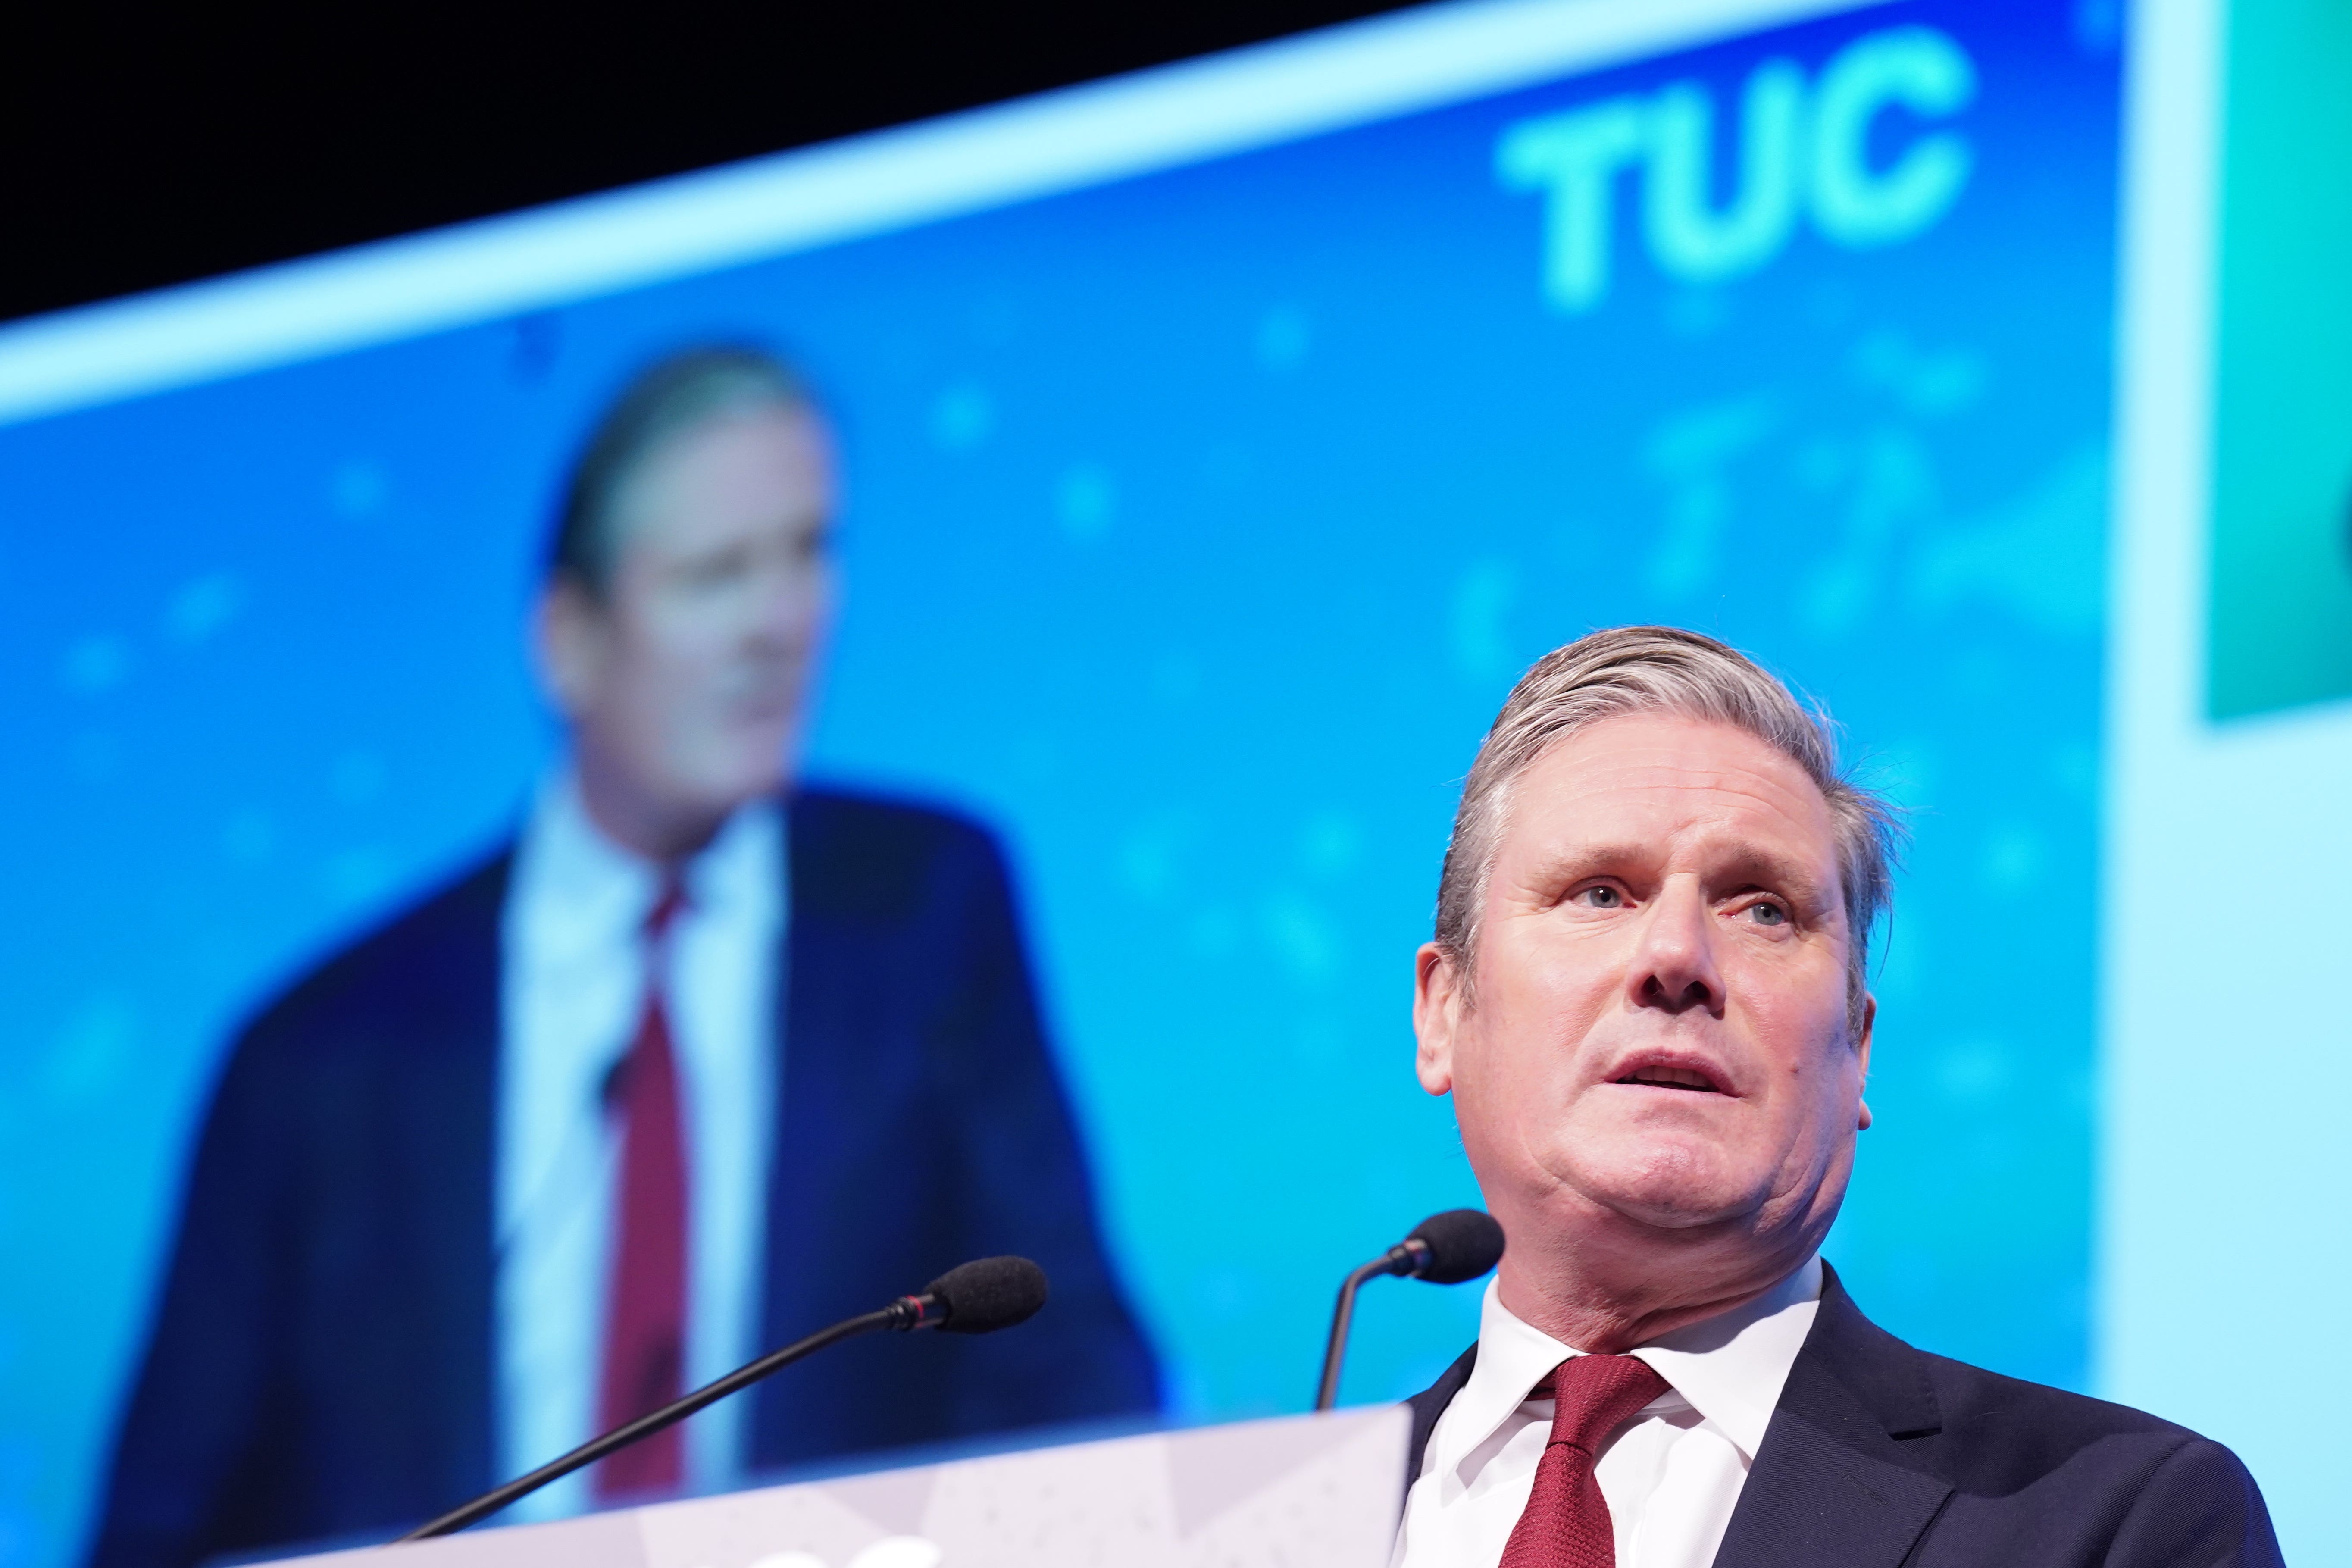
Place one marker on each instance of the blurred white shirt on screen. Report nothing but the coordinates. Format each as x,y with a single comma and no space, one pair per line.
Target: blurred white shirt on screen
573,980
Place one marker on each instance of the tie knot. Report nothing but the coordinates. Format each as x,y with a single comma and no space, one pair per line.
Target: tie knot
669,901
1595,1394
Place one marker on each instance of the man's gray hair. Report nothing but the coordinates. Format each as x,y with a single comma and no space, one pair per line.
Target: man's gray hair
1667,670
673,395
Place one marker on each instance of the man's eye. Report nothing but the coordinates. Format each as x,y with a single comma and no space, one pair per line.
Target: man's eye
1767,914
719,569
1602,898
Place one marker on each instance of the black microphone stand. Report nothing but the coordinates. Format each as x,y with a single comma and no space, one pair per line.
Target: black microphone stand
906,1312
1407,1256
1444,1250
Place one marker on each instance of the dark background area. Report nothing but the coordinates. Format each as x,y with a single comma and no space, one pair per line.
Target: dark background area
145,146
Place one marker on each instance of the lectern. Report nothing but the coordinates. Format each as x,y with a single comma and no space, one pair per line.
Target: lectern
1306,1491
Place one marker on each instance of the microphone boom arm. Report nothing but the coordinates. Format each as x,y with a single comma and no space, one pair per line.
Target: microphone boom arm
1444,1250
1407,1256
976,1297
906,1312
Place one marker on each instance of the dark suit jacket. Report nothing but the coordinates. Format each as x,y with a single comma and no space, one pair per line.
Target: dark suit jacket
1879,1454
322,1364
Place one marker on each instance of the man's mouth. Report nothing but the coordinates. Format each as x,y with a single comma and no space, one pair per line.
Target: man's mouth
1659,1077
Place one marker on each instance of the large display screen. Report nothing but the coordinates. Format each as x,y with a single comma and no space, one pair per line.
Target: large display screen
1190,513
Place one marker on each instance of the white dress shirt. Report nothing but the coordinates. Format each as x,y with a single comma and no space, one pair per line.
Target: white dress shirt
572,988
1670,1478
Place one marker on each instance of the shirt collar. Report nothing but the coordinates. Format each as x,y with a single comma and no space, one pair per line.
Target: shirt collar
1728,1368
1731,1367
742,864
588,893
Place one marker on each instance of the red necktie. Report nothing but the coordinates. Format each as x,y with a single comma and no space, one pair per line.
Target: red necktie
1567,1524
644,1324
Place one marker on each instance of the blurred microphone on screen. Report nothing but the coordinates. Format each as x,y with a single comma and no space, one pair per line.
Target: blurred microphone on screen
683,1068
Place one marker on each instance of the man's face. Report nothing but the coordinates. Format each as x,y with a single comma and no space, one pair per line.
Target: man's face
1658,1032
684,683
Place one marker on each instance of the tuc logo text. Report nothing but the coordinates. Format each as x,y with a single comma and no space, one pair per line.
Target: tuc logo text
1810,148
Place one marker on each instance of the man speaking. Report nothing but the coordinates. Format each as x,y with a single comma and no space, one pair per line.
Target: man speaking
1646,996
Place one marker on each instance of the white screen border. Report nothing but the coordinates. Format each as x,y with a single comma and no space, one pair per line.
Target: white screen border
549,257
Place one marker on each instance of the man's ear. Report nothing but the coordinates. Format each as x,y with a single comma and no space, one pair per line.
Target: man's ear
568,644
1862,1052
1438,1003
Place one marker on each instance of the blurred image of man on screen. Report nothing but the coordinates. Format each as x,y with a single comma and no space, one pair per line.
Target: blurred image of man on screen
1647,998
703,1060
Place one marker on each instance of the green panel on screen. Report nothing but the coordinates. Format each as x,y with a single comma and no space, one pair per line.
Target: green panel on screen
2281,613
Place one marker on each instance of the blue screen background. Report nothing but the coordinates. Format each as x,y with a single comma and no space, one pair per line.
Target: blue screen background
1196,526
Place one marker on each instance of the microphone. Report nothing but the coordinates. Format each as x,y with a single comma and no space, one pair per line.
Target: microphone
976,1297
1444,1250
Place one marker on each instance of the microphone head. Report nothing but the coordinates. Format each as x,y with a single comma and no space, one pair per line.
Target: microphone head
988,1294
1463,1244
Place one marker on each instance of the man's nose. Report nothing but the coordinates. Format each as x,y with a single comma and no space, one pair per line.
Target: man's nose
791,603
1674,966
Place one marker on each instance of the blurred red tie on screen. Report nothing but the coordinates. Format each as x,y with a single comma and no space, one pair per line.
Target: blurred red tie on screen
644,1324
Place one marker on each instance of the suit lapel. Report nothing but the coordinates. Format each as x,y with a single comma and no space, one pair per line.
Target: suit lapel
1834,1482
440,1060
1429,1404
